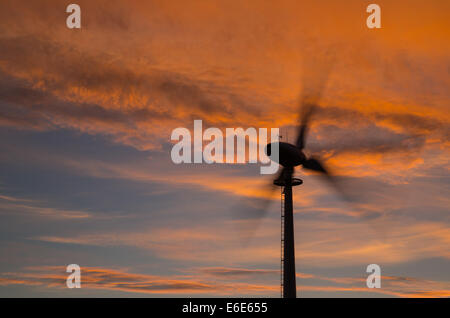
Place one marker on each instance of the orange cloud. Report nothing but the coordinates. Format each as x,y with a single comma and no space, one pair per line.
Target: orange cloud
121,280
110,279
85,84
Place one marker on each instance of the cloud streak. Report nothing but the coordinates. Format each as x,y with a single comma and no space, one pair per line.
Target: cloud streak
121,280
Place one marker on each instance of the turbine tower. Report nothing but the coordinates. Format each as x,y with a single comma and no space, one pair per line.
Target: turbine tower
287,236
289,157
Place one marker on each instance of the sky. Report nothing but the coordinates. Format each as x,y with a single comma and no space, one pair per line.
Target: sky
86,117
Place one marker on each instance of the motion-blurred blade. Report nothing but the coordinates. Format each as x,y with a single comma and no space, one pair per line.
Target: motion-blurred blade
251,211
316,70
257,206
307,111
283,174
315,165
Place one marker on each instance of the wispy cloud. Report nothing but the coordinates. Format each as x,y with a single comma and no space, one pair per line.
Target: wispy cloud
21,206
42,211
350,245
119,280
122,280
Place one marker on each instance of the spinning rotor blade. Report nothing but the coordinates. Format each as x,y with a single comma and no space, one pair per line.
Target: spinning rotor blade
308,110
268,192
282,174
315,165
257,208
315,75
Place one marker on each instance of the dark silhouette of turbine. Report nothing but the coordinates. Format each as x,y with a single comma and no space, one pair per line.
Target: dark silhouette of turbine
291,156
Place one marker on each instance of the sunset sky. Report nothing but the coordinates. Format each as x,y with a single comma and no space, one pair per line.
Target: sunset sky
86,176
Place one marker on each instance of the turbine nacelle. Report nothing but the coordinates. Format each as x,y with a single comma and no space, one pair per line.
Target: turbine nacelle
289,155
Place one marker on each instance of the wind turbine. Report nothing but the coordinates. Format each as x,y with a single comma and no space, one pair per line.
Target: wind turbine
291,156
